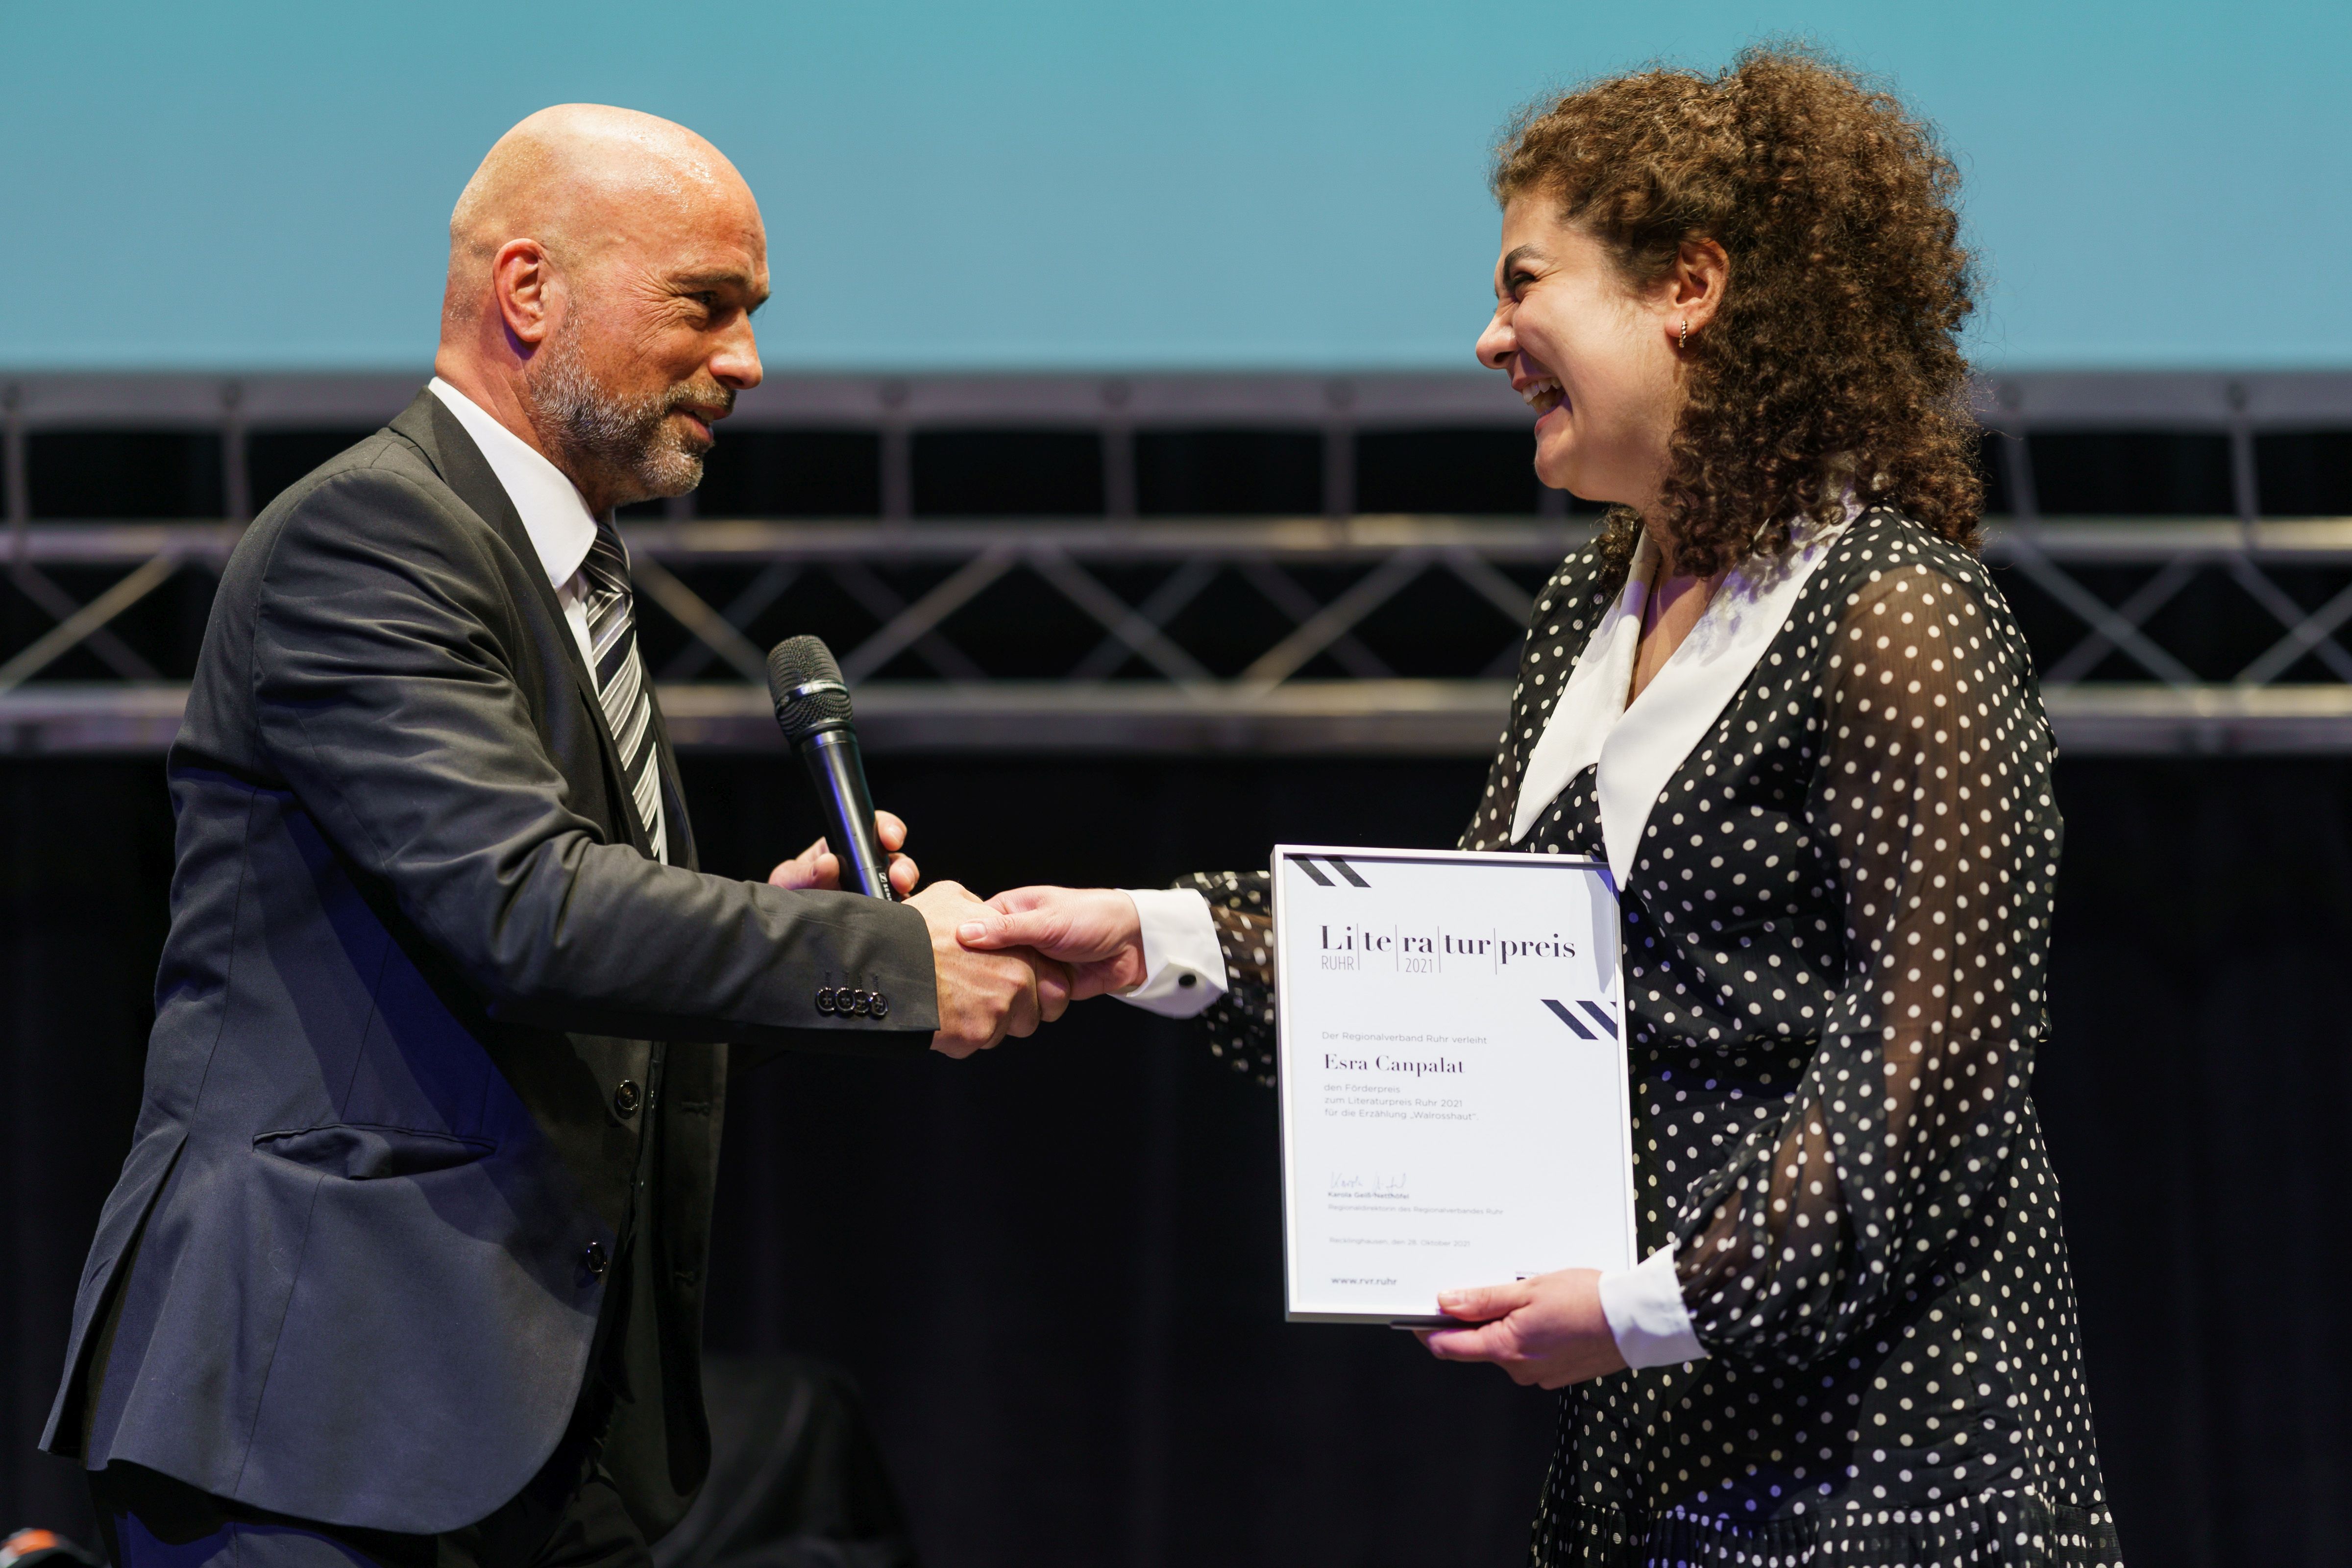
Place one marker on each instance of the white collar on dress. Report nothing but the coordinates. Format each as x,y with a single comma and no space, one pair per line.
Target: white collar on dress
1639,747
557,521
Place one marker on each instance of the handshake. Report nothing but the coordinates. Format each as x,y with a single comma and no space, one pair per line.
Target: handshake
1009,964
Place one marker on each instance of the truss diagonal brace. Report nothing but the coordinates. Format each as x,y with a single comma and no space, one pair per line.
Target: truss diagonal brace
1082,588
924,615
1183,586
1283,592
58,605
2096,613
764,590
1515,602
2310,633
883,602
705,624
60,638
1333,620
2151,596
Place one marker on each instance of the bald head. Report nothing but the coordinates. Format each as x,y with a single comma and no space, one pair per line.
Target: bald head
603,264
575,177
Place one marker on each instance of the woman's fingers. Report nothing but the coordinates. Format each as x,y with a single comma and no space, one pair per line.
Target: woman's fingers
1494,1341
996,931
1483,1303
1495,1338
1024,917
1548,1329
1076,925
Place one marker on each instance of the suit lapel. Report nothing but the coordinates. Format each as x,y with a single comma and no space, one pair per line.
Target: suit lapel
427,423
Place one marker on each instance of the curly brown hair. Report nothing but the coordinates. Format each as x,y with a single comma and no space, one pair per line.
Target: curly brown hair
1834,358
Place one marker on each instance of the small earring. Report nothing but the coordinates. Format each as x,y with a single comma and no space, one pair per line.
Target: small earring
1684,341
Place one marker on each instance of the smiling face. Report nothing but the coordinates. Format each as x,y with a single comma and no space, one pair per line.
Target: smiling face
652,343
1593,356
604,268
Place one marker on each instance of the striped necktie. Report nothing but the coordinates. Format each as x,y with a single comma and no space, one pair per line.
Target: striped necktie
621,677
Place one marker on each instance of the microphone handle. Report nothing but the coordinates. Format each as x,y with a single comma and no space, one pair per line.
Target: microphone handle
838,771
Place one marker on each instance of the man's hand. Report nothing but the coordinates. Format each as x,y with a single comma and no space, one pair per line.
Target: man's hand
1095,931
817,866
1548,1331
984,996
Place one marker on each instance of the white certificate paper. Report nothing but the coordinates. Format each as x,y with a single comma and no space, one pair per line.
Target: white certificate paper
1455,1103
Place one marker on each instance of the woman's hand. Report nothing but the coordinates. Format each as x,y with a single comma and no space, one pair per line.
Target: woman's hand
1548,1331
1095,931
984,996
817,866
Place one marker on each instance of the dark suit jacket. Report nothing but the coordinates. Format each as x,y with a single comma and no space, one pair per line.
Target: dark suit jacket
416,945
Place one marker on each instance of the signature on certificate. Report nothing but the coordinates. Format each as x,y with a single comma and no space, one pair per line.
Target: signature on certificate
1380,1184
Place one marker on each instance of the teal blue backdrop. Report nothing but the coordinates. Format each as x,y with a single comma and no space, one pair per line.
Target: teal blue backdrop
1083,183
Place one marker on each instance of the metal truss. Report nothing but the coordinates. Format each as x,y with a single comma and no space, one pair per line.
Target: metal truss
1131,683
2103,596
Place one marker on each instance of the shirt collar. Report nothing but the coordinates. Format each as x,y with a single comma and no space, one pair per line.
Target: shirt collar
557,521
1638,747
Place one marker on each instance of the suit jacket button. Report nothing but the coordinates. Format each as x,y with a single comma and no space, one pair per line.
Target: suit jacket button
862,1004
594,1259
825,1000
881,1005
627,1097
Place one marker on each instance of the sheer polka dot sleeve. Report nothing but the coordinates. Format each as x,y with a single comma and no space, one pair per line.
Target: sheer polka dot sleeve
1240,1022
1933,817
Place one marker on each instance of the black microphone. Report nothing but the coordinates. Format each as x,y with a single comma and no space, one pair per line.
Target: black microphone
812,707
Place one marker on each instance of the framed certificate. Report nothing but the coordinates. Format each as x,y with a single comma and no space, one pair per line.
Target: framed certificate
1453,1076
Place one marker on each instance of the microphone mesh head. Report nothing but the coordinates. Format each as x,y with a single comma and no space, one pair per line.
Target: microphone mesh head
806,687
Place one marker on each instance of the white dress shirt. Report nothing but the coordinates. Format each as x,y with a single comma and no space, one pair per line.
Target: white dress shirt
1183,963
552,510
1634,747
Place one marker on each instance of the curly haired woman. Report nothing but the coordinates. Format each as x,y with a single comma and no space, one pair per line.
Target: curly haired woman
1780,696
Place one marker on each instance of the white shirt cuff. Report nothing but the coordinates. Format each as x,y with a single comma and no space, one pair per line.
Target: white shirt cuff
1646,1316
1184,966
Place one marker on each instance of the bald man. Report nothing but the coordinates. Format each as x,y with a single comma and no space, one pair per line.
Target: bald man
405,1263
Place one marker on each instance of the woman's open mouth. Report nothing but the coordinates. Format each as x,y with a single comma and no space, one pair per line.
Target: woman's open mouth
1543,396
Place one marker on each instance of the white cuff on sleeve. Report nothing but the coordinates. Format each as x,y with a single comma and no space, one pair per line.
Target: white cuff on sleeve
1183,967
1646,1316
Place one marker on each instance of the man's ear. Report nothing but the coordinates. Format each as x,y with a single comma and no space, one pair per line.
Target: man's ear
524,283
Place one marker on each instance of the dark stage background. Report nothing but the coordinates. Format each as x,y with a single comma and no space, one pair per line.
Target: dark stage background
1054,1269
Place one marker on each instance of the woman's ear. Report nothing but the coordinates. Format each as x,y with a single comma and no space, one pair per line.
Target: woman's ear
1693,291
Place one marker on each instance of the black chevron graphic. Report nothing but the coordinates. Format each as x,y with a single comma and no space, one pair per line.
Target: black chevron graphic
1582,1027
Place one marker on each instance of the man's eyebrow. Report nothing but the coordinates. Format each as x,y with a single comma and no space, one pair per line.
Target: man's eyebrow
695,283
698,282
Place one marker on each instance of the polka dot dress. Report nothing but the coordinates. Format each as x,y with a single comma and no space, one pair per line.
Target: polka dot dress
1836,930
1240,1022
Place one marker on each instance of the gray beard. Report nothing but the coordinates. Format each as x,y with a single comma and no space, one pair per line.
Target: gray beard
626,442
